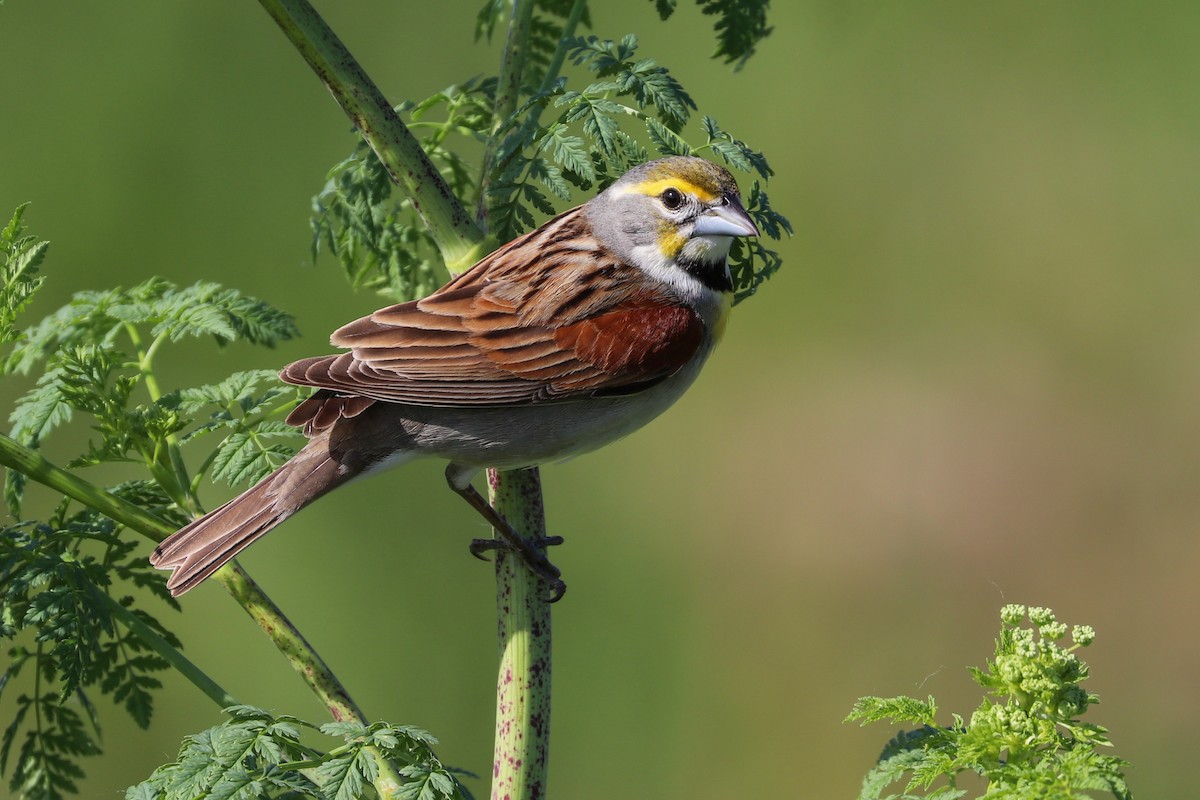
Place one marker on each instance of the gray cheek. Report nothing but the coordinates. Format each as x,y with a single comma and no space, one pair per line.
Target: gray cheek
707,248
639,221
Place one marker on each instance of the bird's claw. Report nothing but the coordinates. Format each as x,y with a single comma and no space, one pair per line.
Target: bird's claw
557,590
479,547
533,558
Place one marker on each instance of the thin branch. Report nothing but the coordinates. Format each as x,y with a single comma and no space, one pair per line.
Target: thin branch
512,60
457,236
283,634
178,485
199,678
33,465
508,93
235,580
560,53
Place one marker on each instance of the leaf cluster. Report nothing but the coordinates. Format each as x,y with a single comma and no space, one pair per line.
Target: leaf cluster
378,237
169,312
97,355
67,584
546,28
255,755
245,407
570,136
20,256
740,25
61,584
1025,739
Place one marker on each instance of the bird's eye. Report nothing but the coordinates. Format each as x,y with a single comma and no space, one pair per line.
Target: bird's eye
672,198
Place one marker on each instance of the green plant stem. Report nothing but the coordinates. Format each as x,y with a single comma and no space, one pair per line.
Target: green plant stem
521,757
305,660
506,111
512,60
522,749
269,617
560,52
283,634
508,93
176,483
458,238
33,465
176,659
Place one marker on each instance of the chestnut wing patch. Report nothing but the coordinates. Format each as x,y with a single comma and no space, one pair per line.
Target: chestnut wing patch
632,347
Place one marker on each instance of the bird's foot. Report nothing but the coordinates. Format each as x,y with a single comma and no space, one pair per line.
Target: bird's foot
527,550
480,547
530,552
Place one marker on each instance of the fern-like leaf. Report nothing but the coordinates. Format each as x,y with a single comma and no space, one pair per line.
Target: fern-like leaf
20,256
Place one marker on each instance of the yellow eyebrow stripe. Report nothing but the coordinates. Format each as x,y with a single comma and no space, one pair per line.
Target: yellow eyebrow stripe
657,187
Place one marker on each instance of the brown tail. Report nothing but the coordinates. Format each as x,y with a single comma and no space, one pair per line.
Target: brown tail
200,548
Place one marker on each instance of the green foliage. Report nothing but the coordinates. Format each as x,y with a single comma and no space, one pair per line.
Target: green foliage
243,406
546,27
45,764
625,110
20,256
255,754
1025,739
97,363
58,588
740,25
67,584
99,318
378,239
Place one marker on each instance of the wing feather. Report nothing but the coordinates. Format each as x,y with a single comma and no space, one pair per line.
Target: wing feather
549,317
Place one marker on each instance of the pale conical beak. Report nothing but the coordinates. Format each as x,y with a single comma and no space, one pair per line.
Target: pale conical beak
728,219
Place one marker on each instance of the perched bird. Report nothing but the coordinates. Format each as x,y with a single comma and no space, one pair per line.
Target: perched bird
566,338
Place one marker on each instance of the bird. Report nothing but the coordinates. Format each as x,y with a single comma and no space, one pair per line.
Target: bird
565,339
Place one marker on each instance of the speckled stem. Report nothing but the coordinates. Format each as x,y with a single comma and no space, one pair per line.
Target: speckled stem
522,748
290,642
458,237
522,754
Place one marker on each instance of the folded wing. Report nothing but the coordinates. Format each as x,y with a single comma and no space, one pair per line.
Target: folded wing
550,317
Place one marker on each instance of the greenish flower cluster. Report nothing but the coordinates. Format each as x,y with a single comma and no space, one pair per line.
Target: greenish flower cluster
1025,739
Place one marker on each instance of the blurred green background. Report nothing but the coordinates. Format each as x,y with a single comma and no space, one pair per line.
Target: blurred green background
974,382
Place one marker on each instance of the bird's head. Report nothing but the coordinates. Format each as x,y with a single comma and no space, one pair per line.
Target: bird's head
674,214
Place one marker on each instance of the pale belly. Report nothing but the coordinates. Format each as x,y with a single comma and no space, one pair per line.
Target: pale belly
521,436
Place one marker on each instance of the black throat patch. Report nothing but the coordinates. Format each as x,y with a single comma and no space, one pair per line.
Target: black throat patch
713,274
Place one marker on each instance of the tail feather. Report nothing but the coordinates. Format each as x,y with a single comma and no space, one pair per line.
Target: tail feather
200,548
